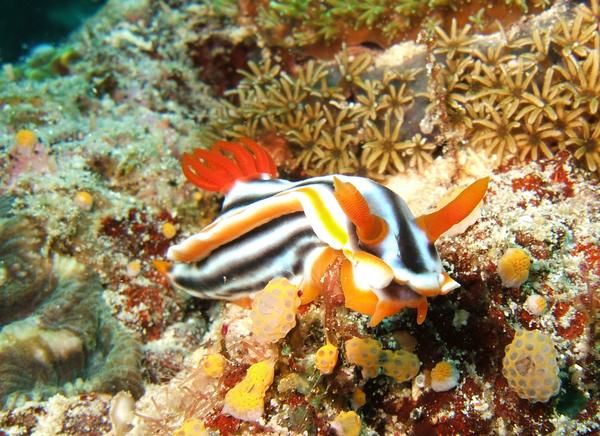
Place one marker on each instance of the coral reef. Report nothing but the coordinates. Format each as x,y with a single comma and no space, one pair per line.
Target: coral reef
25,271
317,26
336,117
91,155
47,61
57,335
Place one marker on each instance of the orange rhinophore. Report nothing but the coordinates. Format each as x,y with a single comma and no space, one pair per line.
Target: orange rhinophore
436,223
370,228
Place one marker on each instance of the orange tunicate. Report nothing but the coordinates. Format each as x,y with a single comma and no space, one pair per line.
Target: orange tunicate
359,398
444,376
169,230
245,400
25,138
536,304
347,424
133,268
191,427
400,365
84,200
405,340
214,365
513,267
364,353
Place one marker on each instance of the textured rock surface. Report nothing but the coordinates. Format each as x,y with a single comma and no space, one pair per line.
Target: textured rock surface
57,333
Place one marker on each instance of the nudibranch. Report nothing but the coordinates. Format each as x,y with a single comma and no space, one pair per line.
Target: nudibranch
270,228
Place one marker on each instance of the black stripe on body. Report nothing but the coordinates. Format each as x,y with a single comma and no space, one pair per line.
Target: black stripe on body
253,191
260,189
247,263
410,255
411,252
239,287
399,292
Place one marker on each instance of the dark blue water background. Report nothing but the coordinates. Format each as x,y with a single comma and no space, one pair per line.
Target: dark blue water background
24,24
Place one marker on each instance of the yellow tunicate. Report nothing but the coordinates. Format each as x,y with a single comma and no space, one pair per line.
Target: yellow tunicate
191,427
133,268
364,353
274,310
359,398
347,424
245,400
25,139
513,267
400,365
214,365
444,376
326,358
84,200
530,366
169,230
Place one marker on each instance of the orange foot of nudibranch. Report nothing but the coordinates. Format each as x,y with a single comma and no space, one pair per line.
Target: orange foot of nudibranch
368,303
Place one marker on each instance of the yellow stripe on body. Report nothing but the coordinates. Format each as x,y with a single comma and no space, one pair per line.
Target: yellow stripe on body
328,222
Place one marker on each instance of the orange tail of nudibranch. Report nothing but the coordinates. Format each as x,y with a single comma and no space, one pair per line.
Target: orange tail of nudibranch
370,228
214,169
436,223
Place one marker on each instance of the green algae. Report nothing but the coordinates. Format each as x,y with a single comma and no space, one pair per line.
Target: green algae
571,401
47,62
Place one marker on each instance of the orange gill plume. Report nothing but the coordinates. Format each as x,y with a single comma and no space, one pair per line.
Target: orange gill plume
225,163
370,228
